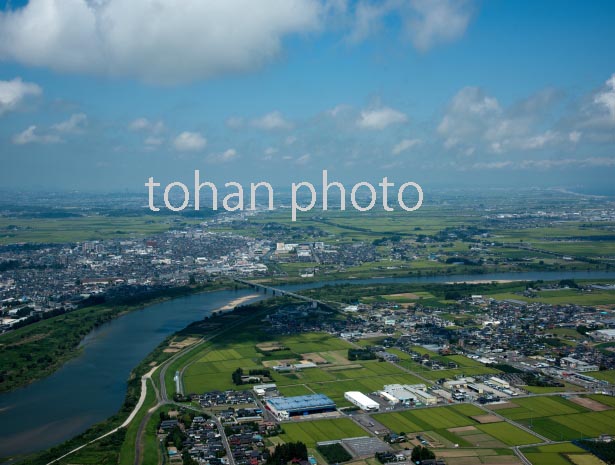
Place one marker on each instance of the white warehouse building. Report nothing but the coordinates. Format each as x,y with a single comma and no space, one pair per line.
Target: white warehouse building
410,393
362,401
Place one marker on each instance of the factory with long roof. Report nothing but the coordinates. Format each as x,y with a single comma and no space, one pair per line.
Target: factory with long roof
285,407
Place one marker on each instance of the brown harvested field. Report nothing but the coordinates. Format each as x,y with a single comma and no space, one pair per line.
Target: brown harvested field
487,419
314,357
272,363
270,346
404,295
462,429
589,403
503,405
343,367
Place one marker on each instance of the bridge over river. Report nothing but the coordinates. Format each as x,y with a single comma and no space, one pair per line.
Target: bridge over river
281,292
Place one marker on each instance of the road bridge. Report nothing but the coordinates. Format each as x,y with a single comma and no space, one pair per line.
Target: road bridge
275,291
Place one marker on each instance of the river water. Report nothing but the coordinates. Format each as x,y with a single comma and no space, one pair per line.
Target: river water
92,386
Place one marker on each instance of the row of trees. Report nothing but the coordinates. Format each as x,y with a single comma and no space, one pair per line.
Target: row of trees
237,375
361,354
284,453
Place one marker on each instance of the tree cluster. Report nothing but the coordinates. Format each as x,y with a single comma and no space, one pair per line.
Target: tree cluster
284,453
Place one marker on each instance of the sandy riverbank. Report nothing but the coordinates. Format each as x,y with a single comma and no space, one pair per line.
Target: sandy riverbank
234,303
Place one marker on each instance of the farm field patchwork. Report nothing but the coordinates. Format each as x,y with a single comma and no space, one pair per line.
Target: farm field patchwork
554,454
429,418
509,434
311,432
537,407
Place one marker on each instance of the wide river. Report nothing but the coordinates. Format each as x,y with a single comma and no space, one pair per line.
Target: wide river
92,386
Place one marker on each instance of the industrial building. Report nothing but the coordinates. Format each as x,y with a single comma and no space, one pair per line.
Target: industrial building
285,407
362,401
262,390
500,382
410,394
388,397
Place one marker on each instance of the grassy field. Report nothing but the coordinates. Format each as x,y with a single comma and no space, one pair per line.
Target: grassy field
509,434
606,375
554,454
538,407
606,400
564,296
454,425
85,228
212,368
559,419
428,419
311,432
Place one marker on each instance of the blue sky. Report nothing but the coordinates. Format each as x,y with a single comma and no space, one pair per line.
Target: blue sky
102,95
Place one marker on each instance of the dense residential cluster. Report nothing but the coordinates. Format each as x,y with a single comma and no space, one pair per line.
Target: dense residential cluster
231,432
524,337
36,279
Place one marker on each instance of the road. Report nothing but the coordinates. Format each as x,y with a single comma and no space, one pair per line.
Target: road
522,457
227,446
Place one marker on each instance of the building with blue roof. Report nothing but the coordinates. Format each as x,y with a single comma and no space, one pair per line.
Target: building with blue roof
285,407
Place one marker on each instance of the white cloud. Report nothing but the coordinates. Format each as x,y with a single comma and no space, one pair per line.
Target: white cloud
30,136
272,121
494,165
224,157
607,98
404,145
590,162
338,110
234,122
426,22
74,124
474,119
303,159
14,91
189,142
539,141
144,124
270,150
574,136
380,118
470,114
290,140
160,42
153,141
368,19
438,21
